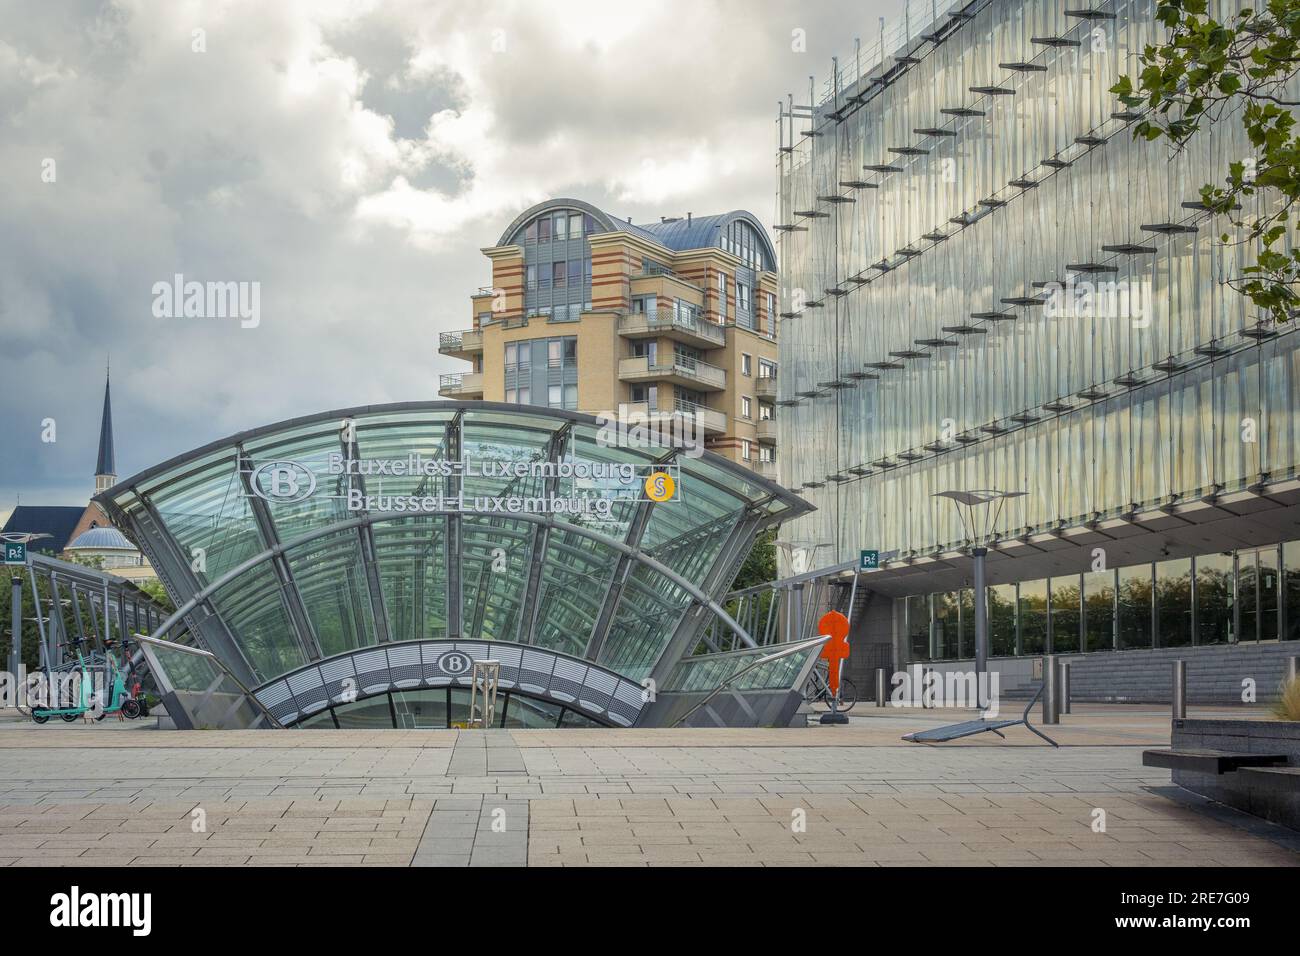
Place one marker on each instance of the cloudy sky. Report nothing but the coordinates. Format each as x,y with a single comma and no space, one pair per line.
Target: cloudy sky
351,158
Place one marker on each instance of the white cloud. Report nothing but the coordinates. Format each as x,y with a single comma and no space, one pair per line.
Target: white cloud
352,157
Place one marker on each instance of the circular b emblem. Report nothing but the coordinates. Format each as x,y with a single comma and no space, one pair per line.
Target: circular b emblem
282,481
660,486
454,663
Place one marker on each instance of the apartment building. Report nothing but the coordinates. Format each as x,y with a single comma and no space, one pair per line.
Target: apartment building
591,313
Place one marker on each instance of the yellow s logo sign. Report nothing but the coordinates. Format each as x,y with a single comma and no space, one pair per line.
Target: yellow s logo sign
660,486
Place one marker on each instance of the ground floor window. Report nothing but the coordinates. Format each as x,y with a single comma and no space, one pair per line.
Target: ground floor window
1231,597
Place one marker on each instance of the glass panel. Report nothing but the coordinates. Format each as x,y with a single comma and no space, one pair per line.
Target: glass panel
1033,617
322,721
1065,615
918,626
332,581
494,572
1291,557
576,576
373,713
946,641
1135,607
1215,599
205,692
459,713
410,553
966,638
1174,603
207,509
421,709
253,609
310,446
527,712
1099,610
572,718
647,614
1257,591
1002,620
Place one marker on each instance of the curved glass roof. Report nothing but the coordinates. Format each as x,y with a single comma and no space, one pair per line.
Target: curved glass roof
318,537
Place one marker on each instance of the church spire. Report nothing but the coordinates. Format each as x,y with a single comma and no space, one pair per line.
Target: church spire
106,464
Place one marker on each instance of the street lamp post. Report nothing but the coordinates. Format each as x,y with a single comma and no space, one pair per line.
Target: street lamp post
16,608
978,520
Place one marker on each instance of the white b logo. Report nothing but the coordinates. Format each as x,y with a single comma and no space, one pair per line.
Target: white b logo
454,663
283,481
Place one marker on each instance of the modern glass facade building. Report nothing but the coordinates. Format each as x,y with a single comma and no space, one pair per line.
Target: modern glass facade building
349,567
989,284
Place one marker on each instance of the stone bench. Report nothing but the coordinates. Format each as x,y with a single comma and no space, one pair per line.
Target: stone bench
1217,762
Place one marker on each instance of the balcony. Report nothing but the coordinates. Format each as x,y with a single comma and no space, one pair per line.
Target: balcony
461,344
668,323
712,421
461,385
768,470
766,429
680,370
765,387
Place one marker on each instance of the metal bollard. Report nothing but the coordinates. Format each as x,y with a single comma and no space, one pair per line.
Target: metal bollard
1065,687
880,687
1051,706
1180,690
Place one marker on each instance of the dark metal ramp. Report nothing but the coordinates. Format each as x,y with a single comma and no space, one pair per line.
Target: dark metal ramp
968,728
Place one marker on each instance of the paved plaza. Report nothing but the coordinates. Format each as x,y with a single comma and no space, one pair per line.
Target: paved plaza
853,795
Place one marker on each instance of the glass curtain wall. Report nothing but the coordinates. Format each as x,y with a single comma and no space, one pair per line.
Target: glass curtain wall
921,349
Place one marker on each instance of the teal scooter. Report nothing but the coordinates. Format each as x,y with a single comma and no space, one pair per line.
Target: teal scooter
119,701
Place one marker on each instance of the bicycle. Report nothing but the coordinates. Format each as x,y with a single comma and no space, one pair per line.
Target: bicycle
818,690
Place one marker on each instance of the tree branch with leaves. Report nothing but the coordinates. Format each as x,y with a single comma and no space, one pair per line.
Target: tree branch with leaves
1205,70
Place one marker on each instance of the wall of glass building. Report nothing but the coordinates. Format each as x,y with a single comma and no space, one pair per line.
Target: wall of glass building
922,222
1244,596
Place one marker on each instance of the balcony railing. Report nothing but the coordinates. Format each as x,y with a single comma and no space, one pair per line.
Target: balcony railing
466,340
766,429
710,419
460,384
668,321
684,369
765,386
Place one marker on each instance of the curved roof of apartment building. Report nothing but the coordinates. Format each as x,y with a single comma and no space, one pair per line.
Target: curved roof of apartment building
678,234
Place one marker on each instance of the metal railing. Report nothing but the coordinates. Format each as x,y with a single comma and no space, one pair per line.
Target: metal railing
673,320
641,367
460,341
460,382
695,368
709,417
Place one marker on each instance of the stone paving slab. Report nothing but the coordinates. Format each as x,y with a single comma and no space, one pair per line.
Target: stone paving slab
840,796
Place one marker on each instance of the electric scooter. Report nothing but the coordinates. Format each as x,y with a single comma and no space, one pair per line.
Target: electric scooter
119,701
72,711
